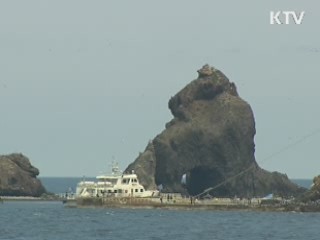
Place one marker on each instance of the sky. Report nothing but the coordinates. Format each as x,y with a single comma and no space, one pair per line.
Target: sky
83,83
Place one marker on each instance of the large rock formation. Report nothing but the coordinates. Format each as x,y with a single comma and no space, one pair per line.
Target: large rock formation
211,140
18,177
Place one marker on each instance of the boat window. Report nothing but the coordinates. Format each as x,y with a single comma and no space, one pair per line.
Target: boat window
109,181
126,191
119,190
109,191
90,190
115,191
141,190
136,190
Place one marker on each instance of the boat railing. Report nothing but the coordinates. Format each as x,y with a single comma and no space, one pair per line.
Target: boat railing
86,182
104,183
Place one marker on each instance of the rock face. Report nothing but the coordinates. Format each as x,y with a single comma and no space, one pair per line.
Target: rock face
18,177
211,140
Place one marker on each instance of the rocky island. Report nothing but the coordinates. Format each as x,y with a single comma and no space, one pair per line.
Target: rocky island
18,177
210,140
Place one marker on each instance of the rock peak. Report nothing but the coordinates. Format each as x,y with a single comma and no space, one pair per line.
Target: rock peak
209,85
206,71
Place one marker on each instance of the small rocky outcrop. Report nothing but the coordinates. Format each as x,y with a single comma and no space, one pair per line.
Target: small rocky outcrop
18,177
211,140
316,186
314,193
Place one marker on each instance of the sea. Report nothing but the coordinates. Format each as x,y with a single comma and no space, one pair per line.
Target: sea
45,220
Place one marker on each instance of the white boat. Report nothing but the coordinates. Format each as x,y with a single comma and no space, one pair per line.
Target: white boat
116,184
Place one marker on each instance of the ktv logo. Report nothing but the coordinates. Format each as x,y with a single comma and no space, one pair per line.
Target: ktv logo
286,17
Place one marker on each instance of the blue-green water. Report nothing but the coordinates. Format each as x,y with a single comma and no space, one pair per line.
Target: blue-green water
52,221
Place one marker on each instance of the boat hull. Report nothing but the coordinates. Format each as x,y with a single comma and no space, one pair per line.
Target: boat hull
117,202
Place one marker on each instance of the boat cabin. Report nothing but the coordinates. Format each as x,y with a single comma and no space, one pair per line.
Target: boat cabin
114,185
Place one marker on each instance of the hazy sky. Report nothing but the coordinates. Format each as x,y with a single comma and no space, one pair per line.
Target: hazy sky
83,82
